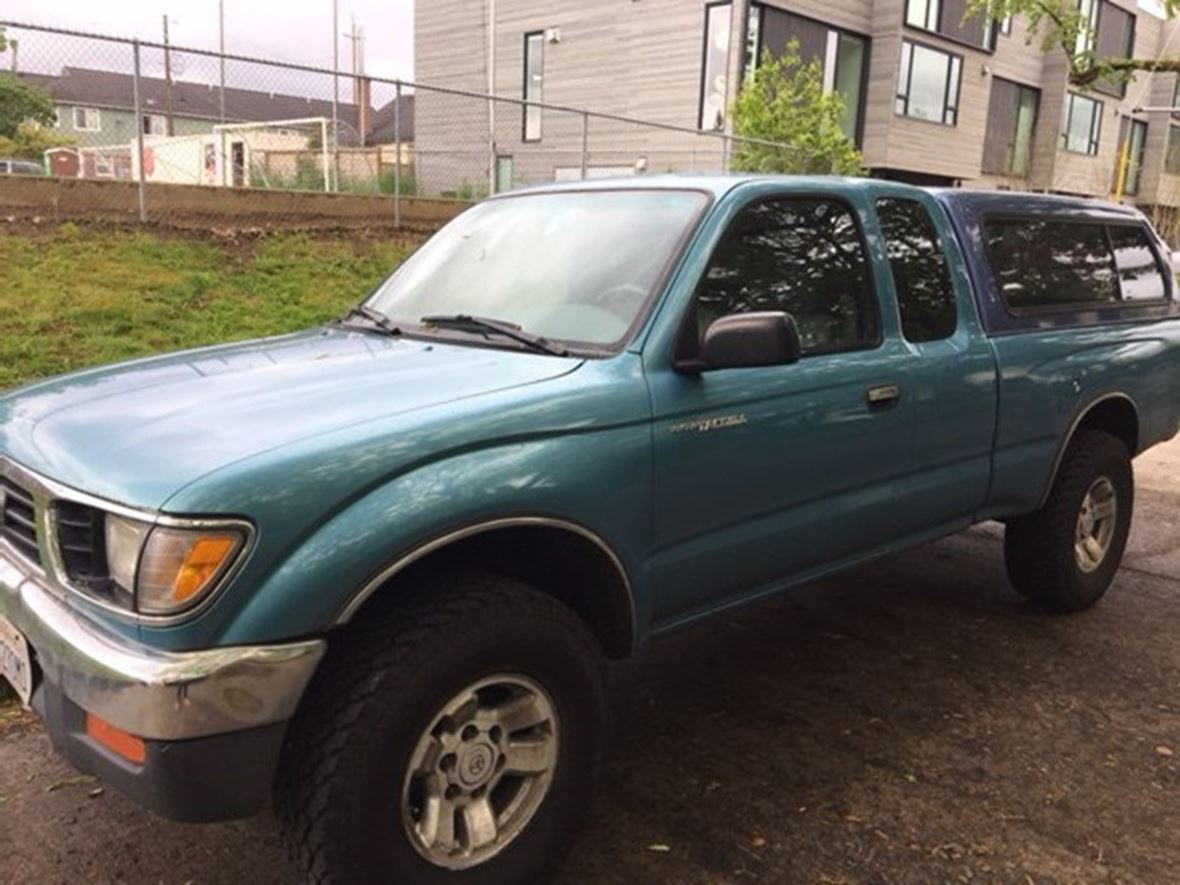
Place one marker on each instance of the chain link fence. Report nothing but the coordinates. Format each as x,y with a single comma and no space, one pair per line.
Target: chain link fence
188,137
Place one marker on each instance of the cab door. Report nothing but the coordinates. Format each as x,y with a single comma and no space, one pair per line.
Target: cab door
771,474
952,373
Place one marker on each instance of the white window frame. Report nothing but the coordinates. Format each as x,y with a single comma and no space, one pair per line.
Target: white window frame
85,117
148,124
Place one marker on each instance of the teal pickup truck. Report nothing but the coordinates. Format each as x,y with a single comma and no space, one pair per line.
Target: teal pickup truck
373,569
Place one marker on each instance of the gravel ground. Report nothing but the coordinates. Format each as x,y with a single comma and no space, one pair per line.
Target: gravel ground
912,721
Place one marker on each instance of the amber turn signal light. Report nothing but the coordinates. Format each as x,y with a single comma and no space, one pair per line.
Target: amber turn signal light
119,742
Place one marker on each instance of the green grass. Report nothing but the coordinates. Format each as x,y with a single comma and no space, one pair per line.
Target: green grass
73,297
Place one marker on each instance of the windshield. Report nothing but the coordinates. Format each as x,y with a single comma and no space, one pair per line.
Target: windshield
577,267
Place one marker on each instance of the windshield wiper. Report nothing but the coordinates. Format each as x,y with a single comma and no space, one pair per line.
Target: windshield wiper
461,322
374,316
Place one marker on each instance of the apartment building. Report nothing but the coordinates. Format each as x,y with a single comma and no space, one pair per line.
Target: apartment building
930,98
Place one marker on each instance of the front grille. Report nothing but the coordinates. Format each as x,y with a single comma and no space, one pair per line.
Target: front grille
18,520
80,539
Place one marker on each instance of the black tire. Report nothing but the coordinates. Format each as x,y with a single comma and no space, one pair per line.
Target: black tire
340,785
1039,548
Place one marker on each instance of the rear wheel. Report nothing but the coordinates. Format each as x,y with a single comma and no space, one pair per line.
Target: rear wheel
1064,556
453,740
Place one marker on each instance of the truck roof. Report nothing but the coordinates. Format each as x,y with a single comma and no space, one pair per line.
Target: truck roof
977,203
974,202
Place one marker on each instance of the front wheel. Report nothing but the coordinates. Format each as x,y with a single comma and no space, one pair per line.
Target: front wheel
1064,556
453,740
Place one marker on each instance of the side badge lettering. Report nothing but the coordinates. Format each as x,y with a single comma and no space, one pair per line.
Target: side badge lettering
704,425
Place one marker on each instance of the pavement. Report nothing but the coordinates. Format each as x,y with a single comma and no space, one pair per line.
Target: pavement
912,721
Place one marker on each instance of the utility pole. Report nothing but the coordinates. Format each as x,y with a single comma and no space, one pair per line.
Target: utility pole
221,45
356,36
167,82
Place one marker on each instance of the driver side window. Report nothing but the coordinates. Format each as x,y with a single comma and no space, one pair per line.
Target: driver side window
802,256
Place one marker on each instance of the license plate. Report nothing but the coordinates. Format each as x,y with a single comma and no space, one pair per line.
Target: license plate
16,665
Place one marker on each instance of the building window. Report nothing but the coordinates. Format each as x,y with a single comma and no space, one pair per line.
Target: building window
754,39
921,278
922,14
949,18
154,124
1081,124
534,77
928,84
87,120
1114,38
844,73
843,56
1088,10
1011,119
804,256
1134,136
715,66
1172,157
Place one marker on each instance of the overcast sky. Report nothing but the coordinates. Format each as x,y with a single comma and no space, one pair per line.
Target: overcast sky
288,30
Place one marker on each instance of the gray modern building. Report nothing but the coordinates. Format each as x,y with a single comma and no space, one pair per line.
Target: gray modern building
930,98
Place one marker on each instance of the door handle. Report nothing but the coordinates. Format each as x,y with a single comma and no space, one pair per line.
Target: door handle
883,396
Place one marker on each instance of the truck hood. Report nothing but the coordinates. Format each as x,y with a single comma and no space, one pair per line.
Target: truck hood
138,432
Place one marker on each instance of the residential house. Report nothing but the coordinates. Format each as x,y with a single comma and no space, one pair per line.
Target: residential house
931,98
96,109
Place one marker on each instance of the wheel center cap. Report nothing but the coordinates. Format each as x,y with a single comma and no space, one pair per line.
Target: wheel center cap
477,764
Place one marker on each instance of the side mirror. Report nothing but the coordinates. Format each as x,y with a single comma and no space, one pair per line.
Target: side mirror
746,340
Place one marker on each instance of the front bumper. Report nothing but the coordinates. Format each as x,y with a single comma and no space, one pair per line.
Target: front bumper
149,693
213,720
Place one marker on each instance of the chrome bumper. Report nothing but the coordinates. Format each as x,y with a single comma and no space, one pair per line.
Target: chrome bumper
153,694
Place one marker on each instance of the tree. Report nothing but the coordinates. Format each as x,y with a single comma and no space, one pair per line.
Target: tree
1060,24
32,140
795,126
21,103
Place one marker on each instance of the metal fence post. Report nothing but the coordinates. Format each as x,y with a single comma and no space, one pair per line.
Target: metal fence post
137,99
585,144
397,158
493,148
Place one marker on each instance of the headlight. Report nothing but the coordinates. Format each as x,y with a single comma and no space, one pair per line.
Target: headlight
168,570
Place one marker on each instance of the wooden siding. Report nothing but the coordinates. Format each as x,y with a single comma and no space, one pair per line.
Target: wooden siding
643,59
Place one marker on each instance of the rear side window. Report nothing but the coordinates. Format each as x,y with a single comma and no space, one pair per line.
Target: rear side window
1140,276
802,256
1042,264
925,294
